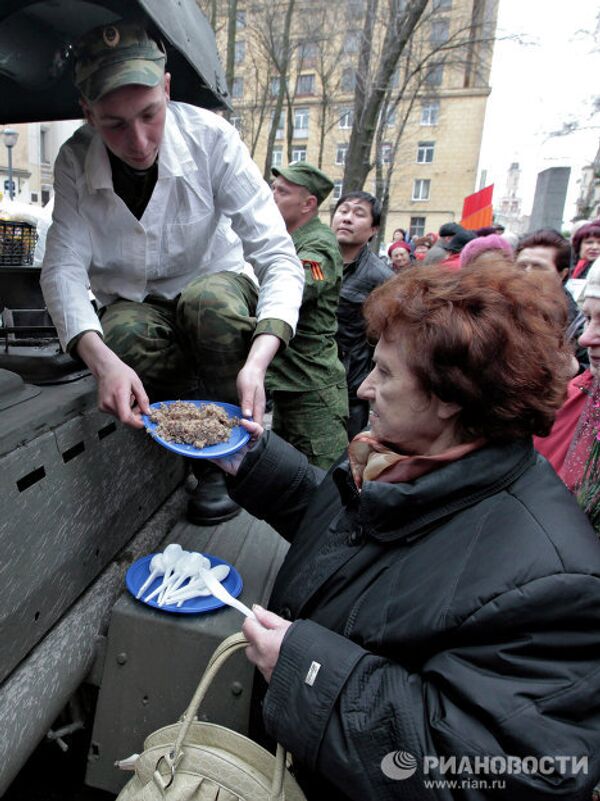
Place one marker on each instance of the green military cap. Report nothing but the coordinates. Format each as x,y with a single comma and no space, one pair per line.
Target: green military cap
117,55
304,174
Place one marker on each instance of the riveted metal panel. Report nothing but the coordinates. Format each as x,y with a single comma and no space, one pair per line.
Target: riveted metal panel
72,497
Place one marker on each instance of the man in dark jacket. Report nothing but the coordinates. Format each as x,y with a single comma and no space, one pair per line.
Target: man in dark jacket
355,222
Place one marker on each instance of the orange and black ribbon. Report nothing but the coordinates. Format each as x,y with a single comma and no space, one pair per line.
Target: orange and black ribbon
315,269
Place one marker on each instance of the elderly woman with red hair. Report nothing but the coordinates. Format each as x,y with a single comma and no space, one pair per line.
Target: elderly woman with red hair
440,601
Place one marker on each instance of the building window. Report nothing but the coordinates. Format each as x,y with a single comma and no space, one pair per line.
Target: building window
307,55
430,112
340,154
441,5
240,20
421,188
351,42
435,75
237,88
425,152
337,189
417,226
299,153
34,197
274,86
280,125
346,118
395,79
276,157
348,81
240,51
440,32
236,121
386,153
301,123
305,84
45,196
44,154
390,120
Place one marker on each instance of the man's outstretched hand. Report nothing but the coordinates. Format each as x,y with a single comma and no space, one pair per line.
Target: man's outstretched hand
122,394
251,378
120,390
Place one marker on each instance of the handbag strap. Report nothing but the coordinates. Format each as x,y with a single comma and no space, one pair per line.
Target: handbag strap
224,650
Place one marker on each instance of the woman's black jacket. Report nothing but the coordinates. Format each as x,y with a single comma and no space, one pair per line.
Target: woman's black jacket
457,615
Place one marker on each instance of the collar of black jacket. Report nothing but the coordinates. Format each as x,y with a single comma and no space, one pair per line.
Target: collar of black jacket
408,510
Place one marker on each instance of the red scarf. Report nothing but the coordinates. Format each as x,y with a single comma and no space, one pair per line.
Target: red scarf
577,468
372,461
557,444
579,268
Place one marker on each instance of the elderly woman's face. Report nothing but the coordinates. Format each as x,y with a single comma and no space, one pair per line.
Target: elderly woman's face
400,259
590,338
401,413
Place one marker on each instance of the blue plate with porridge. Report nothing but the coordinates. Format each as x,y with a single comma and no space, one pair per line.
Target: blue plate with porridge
237,439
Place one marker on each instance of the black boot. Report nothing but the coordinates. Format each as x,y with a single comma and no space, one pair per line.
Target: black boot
210,504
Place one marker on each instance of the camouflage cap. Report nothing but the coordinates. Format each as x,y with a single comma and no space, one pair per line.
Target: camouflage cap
304,174
117,55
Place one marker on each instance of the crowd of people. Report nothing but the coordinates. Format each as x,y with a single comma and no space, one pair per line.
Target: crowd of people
440,596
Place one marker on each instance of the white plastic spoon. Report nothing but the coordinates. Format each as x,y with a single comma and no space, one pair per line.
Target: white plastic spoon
157,568
170,556
188,569
219,591
197,585
179,568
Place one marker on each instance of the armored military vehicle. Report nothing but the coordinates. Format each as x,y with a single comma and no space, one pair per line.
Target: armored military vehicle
82,495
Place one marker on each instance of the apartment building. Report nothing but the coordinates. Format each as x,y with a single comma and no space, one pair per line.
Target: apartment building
33,158
428,145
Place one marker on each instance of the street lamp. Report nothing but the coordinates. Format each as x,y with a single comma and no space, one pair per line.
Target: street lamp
10,140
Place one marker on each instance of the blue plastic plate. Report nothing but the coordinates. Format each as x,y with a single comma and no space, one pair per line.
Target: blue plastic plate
239,436
139,572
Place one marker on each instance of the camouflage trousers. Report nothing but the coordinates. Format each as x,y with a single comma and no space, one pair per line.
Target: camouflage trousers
190,347
314,422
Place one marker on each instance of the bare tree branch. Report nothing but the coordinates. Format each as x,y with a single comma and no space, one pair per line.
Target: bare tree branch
368,99
281,59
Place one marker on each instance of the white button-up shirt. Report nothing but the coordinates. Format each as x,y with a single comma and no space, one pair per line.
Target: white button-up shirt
210,210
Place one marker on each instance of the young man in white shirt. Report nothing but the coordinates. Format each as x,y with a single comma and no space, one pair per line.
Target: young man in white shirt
158,208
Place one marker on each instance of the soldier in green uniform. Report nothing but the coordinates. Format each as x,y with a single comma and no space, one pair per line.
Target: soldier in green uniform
307,380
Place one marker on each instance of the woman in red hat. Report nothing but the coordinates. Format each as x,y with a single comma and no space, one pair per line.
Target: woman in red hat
399,254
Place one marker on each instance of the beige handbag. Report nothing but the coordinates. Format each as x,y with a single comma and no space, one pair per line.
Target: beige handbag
196,761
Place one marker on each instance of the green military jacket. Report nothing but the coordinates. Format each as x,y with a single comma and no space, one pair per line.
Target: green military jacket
311,359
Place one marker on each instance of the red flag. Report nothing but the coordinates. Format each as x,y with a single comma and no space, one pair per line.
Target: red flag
477,209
